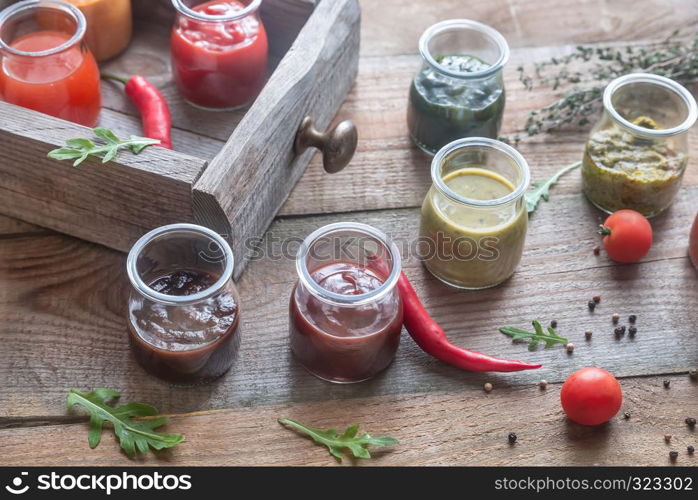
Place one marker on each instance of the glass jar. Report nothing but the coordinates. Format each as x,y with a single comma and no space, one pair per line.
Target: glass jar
459,92
46,66
474,217
184,309
637,153
109,26
219,52
345,312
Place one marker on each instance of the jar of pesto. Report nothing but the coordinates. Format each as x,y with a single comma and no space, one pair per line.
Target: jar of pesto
474,219
636,154
459,91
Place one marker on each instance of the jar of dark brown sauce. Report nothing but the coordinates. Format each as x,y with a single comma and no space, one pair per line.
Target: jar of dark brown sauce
184,309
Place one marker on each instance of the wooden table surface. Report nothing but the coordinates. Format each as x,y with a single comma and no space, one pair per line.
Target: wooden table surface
62,301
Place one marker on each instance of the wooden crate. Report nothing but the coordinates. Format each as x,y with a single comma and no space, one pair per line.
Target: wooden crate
230,171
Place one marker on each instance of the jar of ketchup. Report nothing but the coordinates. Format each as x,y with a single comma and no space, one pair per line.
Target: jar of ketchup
184,309
219,52
46,65
345,312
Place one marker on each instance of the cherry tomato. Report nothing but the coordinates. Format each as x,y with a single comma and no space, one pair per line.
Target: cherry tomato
591,396
627,236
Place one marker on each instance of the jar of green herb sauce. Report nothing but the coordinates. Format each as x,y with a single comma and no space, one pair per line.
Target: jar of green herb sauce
637,153
459,92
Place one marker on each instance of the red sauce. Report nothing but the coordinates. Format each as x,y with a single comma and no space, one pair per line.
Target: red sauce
219,64
64,85
186,343
345,343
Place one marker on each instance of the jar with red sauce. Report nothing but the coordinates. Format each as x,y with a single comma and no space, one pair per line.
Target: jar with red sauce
345,312
184,309
219,52
45,63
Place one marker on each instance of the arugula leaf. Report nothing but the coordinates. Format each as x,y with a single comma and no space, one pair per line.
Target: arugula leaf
336,443
541,190
134,435
536,337
79,148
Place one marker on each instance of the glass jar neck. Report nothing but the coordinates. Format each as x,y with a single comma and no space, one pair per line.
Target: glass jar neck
649,106
479,152
23,17
178,247
185,8
464,37
353,243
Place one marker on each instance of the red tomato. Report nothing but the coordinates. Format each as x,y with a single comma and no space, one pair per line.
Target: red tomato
627,236
591,396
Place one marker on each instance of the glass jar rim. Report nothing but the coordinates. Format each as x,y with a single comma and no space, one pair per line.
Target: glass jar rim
480,143
337,298
177,300
660,81
182,8
27,5
488,31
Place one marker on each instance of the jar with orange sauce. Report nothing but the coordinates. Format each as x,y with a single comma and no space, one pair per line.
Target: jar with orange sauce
109,26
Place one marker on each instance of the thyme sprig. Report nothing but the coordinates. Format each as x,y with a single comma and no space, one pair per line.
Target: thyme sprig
584,73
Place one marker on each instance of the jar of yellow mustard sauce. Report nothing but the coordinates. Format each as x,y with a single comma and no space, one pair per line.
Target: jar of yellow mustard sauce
474,217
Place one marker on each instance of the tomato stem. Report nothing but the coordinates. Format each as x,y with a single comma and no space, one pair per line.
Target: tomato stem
604,230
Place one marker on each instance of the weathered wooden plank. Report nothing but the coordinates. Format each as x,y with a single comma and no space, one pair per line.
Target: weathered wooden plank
467,427
10,226
63,310
397,25
387,171
247,182
88,201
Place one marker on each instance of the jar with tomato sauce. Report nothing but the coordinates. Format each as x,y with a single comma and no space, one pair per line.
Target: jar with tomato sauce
219,52
46,64
345,311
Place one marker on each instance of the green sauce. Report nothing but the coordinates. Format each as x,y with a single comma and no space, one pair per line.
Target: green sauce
620,170
442,108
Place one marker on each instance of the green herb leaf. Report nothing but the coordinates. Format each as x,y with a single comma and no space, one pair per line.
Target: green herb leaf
79,148
134,435
336,443
107,135
584,73
549,338
541,190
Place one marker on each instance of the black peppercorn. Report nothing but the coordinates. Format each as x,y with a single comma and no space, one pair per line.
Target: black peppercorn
667,383
596,298
619,330
690,449
691,422
673,455
632,331
592,305
512,437
632,318
553,324
597,250
626,415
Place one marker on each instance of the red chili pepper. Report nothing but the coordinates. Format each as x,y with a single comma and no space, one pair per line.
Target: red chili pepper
431,338
150,102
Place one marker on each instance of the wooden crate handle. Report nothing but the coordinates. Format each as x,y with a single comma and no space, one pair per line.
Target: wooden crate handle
337,144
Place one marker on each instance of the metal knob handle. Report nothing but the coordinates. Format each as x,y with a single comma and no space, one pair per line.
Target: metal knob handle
337,145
